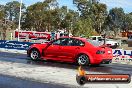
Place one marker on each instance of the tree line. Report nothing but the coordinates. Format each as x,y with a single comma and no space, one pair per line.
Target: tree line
91,17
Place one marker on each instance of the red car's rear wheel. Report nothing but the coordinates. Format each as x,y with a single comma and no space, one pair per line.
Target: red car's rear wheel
83,60
34,54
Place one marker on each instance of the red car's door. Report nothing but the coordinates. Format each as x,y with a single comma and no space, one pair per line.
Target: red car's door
70,50
68,53
52,51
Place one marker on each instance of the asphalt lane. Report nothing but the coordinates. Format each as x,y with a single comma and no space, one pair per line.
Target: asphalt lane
23,83
13,82
105,68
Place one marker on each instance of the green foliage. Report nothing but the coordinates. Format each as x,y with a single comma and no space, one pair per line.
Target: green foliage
12,10
83,27
100,13
115,20
92,10
41,16
92,17
2,12
128,22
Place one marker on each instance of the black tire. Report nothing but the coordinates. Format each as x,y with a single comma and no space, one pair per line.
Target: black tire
83,60
35,54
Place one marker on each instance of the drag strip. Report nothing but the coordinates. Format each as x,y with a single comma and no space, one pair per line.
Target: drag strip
13,82
18,65
105,68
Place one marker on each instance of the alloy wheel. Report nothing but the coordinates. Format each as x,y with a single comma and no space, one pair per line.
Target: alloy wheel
34,54
83,60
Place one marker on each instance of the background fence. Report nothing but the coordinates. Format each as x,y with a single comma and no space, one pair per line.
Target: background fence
15,45
122,56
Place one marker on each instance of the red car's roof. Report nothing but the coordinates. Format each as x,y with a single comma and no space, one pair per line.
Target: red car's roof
83,39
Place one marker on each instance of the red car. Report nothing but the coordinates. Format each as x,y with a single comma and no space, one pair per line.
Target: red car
72,49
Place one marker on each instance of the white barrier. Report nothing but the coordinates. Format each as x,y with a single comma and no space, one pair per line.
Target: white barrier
122,56
13,51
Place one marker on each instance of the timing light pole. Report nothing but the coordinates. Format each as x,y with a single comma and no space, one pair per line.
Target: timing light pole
19,25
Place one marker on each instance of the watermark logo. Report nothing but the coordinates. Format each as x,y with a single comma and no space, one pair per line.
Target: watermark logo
83,78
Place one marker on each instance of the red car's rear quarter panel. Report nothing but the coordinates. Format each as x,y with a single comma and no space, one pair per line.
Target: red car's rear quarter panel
90,51
106,56
108,53
95,58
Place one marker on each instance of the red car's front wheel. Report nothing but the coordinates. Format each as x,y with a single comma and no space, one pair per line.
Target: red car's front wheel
83,60
34,54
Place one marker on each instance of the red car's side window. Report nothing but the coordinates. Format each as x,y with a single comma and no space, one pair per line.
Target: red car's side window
68,42
75,42
56,42
61,41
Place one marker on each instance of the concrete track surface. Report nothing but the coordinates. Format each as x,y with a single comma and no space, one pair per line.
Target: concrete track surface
18,71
